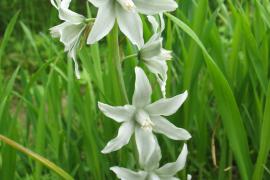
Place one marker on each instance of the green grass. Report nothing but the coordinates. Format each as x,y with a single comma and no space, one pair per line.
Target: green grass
221,56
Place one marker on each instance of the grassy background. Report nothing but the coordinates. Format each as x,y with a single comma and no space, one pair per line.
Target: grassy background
225,67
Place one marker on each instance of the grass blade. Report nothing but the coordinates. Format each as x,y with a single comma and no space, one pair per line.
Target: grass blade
36,157
264,145
7,35
227,106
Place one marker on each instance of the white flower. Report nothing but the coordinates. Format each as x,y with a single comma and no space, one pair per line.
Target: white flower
126,14
154,56
153,172
70,31
142,117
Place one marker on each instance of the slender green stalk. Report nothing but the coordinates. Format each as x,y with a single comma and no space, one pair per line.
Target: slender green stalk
130,56
36,157
117,66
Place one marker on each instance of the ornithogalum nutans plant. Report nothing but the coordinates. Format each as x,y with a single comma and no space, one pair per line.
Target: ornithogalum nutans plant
142,117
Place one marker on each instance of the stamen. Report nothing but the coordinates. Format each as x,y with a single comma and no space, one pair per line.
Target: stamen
127,4
144,120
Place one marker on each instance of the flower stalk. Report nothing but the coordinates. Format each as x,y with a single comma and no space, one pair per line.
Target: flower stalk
116,65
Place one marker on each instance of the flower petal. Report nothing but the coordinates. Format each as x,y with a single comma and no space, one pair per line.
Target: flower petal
70,16
124,134
159,68
104,22
154,23
168,178
56,3
153,176
70,36
151,49
148,148
143,90
153,162
117,113
163,126
167,106
126,174
98,3
151,7
130,24
171,169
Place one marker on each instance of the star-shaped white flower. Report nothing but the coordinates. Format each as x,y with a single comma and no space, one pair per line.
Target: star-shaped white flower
152,171
154,55
70,31
126,14
143,117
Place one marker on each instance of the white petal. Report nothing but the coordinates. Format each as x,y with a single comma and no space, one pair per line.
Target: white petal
130,24
169,178
152,49
56,3
117,113
163,126
151,7
56,31
149,153
124,134
98,3
153,176
126,174
143,90
153,162
159,68
70,16
167,106
65,3
154,23
103,24
162,22
171,169
70,36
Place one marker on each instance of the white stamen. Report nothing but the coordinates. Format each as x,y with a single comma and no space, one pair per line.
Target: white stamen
127,4
144,120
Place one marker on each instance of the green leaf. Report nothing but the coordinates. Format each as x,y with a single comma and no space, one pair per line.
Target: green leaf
264,141
36,157
7,34
227,106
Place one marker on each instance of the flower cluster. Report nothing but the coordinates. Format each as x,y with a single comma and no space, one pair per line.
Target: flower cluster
142,118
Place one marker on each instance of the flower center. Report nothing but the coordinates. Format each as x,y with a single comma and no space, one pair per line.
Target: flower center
127,4
144,120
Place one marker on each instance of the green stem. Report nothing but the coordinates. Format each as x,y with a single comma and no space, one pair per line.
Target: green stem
36,157
130,56
116,63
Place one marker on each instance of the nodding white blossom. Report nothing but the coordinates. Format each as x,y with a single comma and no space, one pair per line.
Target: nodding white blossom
126,14
152,171
70,31
144,117
154,55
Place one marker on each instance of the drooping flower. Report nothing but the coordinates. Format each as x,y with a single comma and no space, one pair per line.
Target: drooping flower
143,117
152,171
70,31
154,55
126,14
